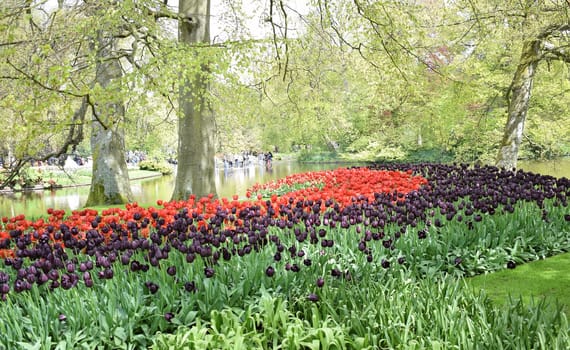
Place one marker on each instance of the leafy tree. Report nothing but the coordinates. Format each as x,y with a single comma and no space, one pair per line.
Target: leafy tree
547,41
196,126
45,119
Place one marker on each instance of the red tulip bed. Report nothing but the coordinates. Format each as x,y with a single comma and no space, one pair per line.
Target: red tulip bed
348,258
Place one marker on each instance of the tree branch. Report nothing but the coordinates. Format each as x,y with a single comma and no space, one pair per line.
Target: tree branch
36,81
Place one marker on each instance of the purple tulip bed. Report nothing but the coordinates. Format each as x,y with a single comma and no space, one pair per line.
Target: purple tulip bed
377,272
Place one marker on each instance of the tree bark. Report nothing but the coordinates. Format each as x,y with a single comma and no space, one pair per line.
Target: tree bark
196,126
518,98
110,179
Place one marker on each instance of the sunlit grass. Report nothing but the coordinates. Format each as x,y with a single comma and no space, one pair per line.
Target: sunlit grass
83,176
548,279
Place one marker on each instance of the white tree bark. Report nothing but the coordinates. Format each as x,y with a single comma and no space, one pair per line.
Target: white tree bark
518,97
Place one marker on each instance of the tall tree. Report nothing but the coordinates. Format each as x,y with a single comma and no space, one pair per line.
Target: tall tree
92,62
551,43
110,178
196,126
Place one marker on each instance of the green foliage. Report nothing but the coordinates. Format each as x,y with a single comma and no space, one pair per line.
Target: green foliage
430,155
316,156
155,165
420,304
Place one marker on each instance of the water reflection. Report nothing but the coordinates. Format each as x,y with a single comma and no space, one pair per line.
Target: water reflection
556,167
229,181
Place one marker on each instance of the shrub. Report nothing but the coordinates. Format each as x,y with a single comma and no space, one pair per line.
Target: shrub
153,165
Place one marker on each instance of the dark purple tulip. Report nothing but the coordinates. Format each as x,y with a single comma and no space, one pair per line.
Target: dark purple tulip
401,260
385,263
567,217
88,283
43,278
53,275
320,282
313,297
21,273
209,272
511,264
168,316
171,270
336,273
62,318
31,278
369,258
4,288
270,271
458,261
135,266
83,267
190,287
152,287
70,267
125,259
108,273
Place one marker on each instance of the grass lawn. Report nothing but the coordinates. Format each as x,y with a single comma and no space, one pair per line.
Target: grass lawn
83,176
544,279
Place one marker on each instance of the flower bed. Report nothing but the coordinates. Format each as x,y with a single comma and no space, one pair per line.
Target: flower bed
334,231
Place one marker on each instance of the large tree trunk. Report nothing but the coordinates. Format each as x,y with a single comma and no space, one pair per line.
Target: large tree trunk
196,126
518,98
110,180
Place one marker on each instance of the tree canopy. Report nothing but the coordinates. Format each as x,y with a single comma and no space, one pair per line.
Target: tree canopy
367,79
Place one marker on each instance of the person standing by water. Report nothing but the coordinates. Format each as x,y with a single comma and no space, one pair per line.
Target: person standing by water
268,160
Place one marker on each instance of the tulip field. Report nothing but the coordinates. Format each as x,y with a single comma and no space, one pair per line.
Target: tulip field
353,258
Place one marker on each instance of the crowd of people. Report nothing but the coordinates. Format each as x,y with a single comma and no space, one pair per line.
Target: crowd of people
227,161
135,157
245,159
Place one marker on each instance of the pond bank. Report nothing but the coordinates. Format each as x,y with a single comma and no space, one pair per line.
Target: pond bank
48,186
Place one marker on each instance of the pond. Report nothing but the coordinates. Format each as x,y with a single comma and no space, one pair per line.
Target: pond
228,183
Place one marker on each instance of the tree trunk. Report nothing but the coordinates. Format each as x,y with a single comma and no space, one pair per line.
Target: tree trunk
110,180
518,100
196,126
